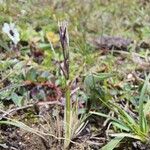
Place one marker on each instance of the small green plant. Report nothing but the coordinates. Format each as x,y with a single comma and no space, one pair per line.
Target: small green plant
64,39
131,127
72,125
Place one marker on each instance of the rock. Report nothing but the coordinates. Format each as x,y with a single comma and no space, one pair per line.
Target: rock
110,42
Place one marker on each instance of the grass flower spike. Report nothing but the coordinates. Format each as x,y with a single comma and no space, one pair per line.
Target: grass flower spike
64,39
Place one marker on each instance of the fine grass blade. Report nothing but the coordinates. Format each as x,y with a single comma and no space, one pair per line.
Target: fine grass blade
129,135
125,117
112,144
22,126
121,126
142,117
115,121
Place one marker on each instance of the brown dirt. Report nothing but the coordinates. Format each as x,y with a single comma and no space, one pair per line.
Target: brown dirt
14,138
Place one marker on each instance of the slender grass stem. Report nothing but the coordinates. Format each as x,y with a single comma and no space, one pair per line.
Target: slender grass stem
64,39
67,117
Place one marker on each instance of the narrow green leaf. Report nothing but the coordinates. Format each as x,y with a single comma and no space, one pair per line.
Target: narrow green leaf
124,115
121,126
142,119
119,122
22,126
112,144
129,135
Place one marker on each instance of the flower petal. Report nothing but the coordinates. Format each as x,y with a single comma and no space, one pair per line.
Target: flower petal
10,28
6,28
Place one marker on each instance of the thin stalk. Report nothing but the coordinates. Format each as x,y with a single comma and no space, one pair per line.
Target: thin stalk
67,117
64,39
52,48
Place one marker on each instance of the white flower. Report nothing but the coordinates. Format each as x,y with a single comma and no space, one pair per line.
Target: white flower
12,32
